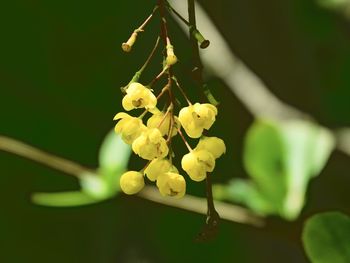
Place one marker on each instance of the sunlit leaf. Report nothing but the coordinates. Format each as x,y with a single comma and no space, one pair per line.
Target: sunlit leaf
113,157
244,192
63,199
114,153
326,238
324,144
307,150
280,158
263,160
94,185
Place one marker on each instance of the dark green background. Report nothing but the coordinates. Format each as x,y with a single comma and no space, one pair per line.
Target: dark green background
61,67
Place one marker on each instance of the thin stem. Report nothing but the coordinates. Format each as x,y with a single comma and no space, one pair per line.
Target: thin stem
163,27
171,123
170,83
143,114
127,46
39,156
178,15
167,43
181,90
165,116
198,205
184,140
170,138
197,62
143,25
170,133
158,77
144,168
151,55
138,73
191,203
203,42
212,215
166,88
170,128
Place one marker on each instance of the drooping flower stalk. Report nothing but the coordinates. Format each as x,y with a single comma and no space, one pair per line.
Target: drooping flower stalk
153,142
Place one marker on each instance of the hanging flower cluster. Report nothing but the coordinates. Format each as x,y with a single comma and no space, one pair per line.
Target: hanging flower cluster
151,140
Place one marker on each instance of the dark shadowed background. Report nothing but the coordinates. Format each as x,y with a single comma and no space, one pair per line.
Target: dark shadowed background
61,67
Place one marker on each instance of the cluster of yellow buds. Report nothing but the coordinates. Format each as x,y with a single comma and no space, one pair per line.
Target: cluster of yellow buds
152,141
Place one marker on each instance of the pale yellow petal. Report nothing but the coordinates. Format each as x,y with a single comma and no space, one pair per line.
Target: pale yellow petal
206,159
121,115
157,167
214,145
127,103
132,182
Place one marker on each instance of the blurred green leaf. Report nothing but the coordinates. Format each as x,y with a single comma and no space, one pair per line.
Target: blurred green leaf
324,143
244,192
281,158
114,153
63,199
263,161
326,238
95,186
308,147
114,156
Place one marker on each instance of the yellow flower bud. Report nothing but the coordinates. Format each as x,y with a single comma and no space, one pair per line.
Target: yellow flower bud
150,145
197,117
163,124
214,145
132,182
138,96
171,59
197,164
171,184
131,41
129,127
157,167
